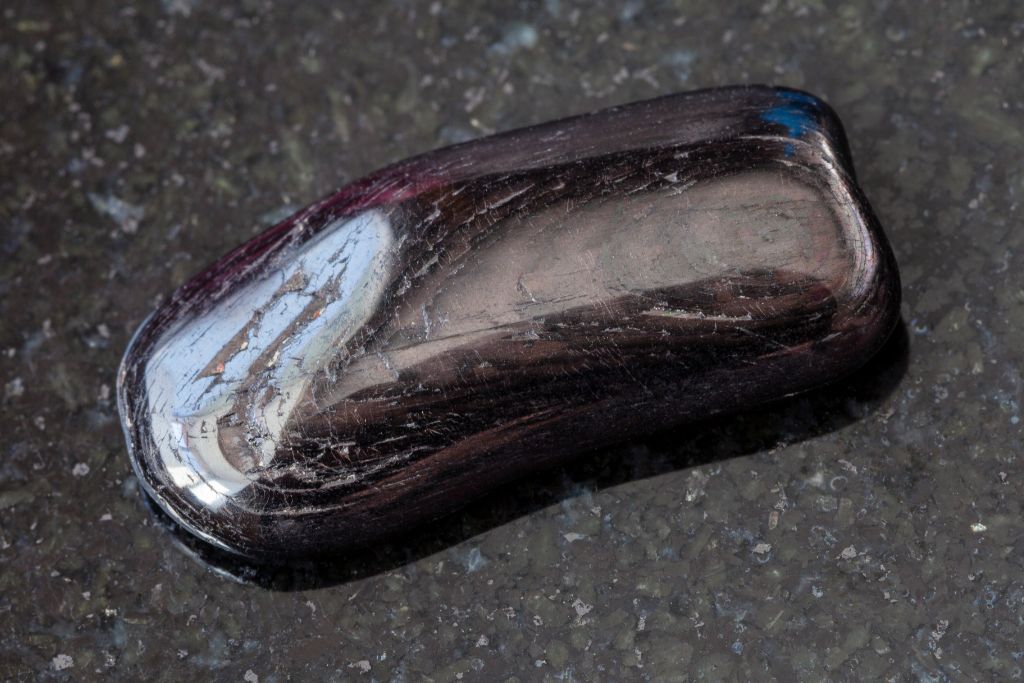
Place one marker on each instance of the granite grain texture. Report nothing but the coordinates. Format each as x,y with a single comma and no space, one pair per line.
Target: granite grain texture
872,530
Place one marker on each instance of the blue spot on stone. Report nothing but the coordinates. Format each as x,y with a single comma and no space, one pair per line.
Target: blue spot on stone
797,113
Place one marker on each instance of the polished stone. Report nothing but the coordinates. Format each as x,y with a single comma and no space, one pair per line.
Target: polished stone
468,316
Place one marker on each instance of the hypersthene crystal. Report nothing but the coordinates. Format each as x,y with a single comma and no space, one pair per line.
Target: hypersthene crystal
470,315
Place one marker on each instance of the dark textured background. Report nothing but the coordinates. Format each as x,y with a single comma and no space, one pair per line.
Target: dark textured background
870,531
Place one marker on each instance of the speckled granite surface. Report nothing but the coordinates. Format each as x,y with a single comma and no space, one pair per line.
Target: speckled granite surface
871,531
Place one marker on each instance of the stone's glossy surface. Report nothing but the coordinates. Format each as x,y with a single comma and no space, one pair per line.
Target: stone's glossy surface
467,316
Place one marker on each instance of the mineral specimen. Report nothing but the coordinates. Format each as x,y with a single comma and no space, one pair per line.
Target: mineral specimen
470,315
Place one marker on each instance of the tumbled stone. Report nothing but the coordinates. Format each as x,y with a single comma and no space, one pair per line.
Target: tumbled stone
467,316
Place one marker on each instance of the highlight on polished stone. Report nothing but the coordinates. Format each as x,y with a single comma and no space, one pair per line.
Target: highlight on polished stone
477,313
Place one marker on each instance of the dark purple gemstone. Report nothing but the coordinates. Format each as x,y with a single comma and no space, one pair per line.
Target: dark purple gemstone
473,314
